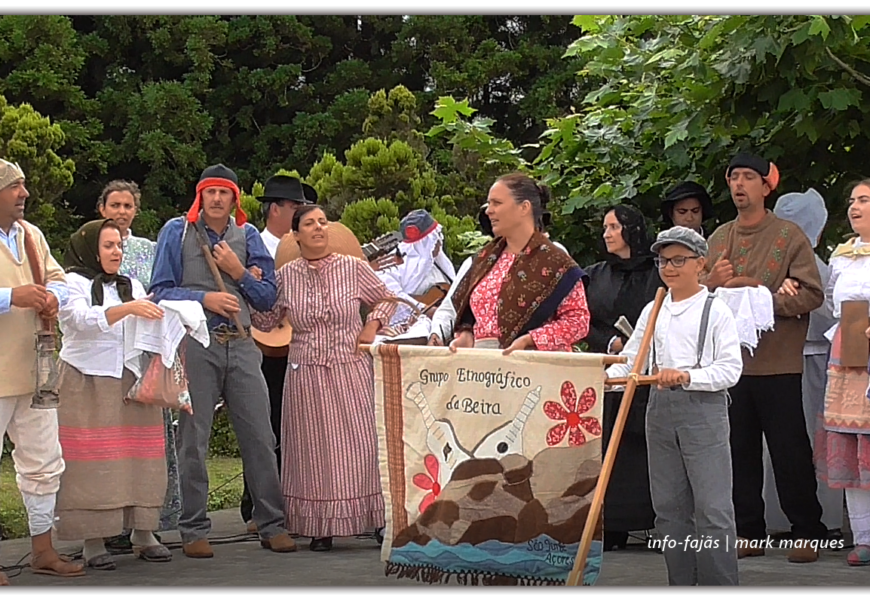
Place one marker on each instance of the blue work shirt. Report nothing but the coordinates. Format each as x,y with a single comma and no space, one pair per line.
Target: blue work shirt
166,274
10,240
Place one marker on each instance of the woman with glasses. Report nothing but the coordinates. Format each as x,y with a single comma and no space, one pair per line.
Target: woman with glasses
620,286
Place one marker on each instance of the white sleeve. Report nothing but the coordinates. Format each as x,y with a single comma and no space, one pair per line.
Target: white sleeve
445,316
78,314
727,366
833,275
138,289
632,346
390,279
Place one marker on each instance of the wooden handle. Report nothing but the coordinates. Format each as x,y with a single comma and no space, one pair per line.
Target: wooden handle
222,287
576,575
641,380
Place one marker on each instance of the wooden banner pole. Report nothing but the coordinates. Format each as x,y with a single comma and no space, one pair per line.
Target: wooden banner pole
633,380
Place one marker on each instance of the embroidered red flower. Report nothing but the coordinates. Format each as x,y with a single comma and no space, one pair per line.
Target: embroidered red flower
545,271
428,481
572,423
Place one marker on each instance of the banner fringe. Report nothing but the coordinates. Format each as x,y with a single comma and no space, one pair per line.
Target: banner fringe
433,575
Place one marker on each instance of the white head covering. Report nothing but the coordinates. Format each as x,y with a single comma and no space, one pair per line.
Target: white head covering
418,261
806,210
9,173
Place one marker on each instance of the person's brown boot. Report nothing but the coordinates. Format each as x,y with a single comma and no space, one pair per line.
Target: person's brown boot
744,551
251,527
279,543
803,554
198,549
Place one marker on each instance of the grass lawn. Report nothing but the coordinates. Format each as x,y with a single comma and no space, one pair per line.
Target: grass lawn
225,485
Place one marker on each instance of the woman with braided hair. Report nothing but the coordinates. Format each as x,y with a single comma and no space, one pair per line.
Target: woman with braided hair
620,286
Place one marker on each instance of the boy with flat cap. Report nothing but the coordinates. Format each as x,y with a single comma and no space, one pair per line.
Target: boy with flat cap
696,356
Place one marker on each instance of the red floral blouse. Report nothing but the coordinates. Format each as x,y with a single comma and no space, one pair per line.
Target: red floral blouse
570,325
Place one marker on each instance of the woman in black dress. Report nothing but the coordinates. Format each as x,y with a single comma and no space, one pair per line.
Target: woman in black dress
621,285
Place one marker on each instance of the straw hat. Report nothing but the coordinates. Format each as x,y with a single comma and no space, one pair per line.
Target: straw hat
341,241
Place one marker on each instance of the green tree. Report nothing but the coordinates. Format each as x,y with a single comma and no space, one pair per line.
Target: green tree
677,96
32,141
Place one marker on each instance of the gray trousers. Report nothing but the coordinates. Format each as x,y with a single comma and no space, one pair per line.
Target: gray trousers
231,370
687,437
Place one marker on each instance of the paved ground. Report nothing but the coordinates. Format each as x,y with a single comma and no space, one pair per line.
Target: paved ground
356,562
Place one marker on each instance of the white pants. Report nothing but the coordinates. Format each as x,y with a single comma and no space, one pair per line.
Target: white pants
37,457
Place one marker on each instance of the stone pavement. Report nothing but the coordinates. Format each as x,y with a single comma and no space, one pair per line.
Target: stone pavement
356,562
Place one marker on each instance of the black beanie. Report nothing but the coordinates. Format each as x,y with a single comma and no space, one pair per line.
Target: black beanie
219,171
749,161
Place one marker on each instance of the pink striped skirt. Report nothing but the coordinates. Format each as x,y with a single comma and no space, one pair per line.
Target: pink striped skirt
330,475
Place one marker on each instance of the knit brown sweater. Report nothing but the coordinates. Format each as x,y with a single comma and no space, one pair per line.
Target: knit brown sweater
772,251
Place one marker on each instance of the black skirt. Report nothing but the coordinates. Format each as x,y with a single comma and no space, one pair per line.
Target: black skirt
627,503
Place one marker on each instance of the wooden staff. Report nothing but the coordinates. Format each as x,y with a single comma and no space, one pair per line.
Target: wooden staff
206,249
633,380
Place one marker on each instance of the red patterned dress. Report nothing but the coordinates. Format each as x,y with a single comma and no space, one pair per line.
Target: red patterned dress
570,325
330,478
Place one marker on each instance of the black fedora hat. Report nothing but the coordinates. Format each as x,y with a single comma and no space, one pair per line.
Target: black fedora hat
285,187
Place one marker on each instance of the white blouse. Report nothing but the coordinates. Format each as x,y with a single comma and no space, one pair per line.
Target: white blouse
676,343
90,344
849,280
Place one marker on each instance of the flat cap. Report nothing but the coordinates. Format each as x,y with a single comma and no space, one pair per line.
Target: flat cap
681,235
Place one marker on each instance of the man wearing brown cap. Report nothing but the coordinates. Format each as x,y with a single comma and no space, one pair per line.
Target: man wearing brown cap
230,366
760,249
32,288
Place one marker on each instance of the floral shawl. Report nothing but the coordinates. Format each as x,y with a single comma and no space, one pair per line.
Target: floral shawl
534,287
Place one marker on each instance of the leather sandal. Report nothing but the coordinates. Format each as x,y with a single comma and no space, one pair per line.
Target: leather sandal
60,566
101,562
158,553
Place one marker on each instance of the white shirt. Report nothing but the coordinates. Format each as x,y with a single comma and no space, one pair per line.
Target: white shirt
849,280
271,242
90,344
676,343
445,315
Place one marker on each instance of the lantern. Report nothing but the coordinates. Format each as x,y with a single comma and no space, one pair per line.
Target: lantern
46,395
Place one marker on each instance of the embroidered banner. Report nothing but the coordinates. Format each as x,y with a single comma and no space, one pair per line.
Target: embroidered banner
488,463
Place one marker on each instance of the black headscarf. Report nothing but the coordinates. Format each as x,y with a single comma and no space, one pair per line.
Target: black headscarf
82,257
635,234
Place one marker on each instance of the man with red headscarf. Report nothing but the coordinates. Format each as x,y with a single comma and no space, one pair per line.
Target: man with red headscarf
760,249
230,365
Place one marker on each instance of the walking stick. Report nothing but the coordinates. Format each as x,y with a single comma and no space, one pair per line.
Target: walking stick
206,249
633,379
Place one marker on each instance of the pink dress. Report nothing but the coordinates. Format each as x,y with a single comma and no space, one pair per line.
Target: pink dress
330,478
570,325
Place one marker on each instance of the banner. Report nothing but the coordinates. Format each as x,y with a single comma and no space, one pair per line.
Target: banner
488,463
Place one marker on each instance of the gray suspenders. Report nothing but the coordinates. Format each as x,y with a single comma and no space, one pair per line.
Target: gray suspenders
702,334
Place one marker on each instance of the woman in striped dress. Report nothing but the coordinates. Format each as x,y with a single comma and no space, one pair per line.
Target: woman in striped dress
329,459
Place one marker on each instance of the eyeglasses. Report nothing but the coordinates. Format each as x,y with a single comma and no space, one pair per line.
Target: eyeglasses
677,261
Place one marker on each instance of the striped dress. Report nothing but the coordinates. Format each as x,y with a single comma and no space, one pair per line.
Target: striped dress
330,477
